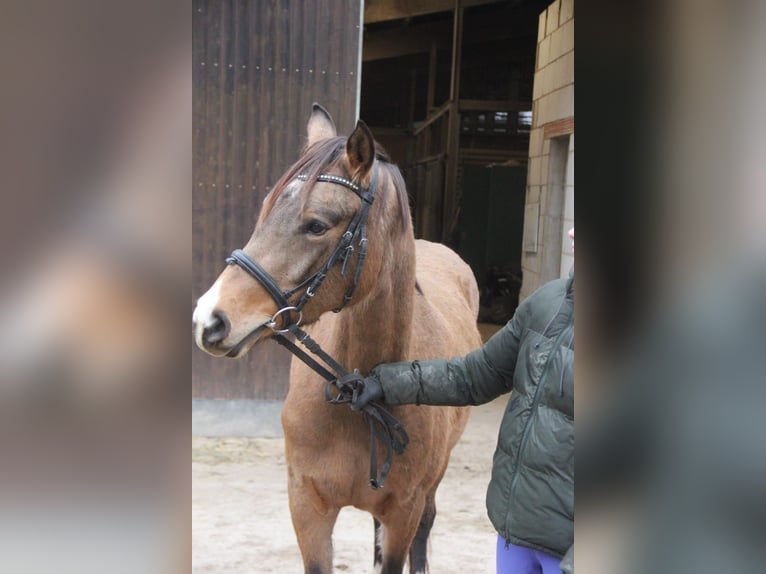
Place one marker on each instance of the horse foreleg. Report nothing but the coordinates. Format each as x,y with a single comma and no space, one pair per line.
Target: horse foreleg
313,524
378,552
419,546
400,525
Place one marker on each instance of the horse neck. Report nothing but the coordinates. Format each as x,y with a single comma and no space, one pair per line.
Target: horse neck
377,329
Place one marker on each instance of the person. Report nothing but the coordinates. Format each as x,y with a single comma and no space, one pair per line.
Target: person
530,498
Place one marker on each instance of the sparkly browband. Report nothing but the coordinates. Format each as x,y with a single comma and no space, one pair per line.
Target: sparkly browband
329,178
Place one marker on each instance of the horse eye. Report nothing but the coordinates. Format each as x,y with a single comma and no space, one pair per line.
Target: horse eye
316,227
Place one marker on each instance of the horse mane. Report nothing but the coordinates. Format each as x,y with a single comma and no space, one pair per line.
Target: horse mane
327,153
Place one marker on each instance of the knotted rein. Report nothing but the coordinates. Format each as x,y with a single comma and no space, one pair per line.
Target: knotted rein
382,424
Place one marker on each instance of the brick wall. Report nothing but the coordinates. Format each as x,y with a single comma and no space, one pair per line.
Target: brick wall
546,253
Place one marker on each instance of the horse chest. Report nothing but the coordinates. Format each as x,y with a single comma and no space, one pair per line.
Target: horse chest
323,431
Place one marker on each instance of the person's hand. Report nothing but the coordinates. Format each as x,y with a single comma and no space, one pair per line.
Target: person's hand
367,390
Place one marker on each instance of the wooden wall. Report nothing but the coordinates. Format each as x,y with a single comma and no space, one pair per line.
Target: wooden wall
258,66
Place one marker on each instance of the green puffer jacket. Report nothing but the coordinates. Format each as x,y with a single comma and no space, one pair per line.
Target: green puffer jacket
530,499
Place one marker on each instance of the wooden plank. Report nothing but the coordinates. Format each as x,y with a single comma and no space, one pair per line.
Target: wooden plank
382,44
433,60
453,128
413,95
493,154
417,37
494,105
429,159
440,111
384,10
386,130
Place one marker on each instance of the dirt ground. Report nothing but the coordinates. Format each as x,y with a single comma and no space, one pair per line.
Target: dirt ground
241,521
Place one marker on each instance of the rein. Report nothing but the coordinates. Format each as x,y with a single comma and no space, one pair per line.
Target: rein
382,424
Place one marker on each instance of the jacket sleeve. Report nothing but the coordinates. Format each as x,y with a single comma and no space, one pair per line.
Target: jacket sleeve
474,379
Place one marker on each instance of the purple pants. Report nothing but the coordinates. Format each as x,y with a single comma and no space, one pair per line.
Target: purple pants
520,560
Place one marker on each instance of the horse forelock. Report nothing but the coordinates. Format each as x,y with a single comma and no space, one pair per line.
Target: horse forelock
323,156
314,159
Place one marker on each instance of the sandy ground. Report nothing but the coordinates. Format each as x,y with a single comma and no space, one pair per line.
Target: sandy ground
241,521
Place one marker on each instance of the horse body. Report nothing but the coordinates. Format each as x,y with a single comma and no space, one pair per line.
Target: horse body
415,300
328,447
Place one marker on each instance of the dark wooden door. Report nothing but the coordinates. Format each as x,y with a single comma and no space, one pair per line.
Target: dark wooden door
492,219
258,66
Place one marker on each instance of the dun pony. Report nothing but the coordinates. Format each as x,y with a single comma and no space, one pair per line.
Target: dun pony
414,300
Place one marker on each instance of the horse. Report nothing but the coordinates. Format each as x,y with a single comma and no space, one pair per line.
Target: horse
408,299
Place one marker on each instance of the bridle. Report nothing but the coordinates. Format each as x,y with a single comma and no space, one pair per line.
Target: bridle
356,229
382,424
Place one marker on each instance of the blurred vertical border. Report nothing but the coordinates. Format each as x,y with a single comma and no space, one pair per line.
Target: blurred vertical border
672,271
95,234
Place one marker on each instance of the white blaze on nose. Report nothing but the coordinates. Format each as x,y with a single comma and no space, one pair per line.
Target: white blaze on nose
203,312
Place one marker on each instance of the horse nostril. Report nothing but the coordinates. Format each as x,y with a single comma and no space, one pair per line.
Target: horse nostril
217,331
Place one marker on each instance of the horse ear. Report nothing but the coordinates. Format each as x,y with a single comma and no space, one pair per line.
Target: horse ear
360,149
320,124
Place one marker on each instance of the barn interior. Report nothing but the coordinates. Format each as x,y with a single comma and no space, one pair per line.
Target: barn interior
446,87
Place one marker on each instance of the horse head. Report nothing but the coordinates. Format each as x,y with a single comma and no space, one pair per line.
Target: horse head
312,231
